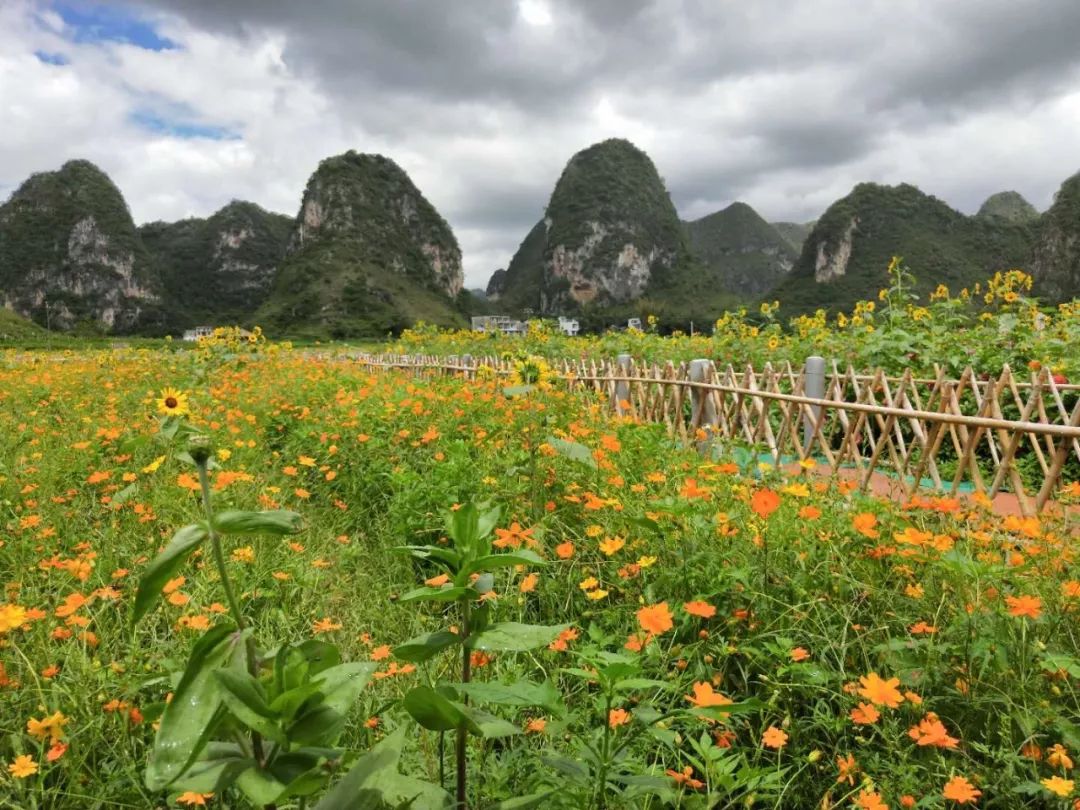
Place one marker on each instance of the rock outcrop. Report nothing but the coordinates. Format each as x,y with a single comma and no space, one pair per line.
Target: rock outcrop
219,269
845,257
367,254
609,232
70,256
1055,263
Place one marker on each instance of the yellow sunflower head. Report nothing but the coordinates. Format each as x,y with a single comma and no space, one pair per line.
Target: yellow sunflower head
172,402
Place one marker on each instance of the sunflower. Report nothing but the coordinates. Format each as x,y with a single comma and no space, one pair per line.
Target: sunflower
173,402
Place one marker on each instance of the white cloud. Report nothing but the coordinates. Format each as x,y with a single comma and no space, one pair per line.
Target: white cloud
785,108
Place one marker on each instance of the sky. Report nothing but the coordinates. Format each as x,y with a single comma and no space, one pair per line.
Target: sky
785,105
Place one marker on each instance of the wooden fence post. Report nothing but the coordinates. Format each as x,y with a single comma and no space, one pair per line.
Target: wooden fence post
702,406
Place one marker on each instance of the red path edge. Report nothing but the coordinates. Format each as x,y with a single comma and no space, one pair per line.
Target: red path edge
889,488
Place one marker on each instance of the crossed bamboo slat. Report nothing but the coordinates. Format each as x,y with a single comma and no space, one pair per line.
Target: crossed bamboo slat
974,432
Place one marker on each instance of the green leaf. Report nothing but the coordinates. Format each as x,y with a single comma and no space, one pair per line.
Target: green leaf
573,450
216,769
426,646
373,783
429,594
276,521
511,391
639,684
721,712
433,711
261,786
164,565
519,693
192,714
322,717
245,699
514,637
508,560
523,802
123,495
488,725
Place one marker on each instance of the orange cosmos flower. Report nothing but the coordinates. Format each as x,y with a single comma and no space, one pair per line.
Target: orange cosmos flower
931,731
704,695
1020,606
764,502
870,800
799,654
655,619
514,536
865,714
961,791
848,767
437,582
564,551
611,545
685,777
881,692
528,584
864,524
774,738
701,609
618,717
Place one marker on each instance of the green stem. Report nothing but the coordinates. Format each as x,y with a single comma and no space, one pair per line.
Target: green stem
462,734
215,545
230,597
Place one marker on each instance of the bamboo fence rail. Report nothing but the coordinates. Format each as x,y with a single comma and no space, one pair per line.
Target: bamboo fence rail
1011,432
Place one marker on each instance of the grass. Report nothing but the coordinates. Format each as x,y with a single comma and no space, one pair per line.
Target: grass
678,576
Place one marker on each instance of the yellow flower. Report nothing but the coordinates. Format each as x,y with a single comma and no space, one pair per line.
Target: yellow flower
1058,786
23,766
611,545
173,402
646,561
597,595
152,467
51,727
12,617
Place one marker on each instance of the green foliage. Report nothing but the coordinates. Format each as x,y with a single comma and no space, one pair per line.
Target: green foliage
61,282
377,257
1056,261
217,270
741,252
1009,206
943,245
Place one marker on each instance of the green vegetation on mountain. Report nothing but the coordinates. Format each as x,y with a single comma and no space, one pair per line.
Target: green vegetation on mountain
795,233
1009,206
368,254
741,252
610,232
70,256
219,269
1056,257
846,255
14,328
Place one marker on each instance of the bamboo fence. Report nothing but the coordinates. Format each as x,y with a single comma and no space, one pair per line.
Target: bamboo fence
949,434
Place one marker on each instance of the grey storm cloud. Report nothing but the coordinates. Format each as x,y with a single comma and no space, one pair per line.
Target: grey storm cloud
785,105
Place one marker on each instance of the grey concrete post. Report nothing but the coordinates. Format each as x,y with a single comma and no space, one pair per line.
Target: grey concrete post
813,387
702,407
622,389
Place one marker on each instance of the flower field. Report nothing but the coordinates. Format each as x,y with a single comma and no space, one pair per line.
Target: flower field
253,577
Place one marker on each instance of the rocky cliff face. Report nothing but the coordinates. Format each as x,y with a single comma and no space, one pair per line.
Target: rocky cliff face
70,255
610,231
367,254
1055,263
220,268
370,200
